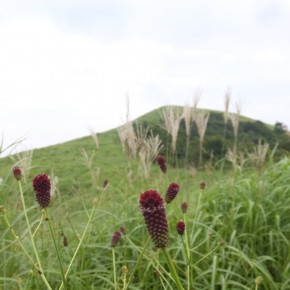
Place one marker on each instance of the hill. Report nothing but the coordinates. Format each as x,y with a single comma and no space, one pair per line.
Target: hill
76,159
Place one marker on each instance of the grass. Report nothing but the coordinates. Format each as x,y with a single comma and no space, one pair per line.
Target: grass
238,227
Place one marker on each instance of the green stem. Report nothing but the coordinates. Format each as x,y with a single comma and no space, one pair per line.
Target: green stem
205,256
20,244
114,268
56,248
195,217
79,244
187,250
160,269
138,261
31,238
38,225
172,269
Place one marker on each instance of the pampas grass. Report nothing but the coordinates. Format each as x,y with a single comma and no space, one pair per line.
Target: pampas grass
201,120
187,115
172,117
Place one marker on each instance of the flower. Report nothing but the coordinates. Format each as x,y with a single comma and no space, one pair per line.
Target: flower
152,208
123,230
162,163
105,183
180,227
184,207
17,173
171,192
115,239
42,186
202,185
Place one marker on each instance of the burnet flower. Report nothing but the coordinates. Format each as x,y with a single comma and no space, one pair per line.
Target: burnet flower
162,163
184,207
42,186
17,173
115,238
153,210
180,227
171,192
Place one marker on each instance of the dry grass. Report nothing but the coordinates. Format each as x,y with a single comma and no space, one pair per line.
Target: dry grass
172,117
258,156
227,105
201,120
148,153
24,161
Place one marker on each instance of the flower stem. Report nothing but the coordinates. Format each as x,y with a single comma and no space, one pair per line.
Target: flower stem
19,242
56,248
114,268
138,261
31,238
187,252
195,217
172,270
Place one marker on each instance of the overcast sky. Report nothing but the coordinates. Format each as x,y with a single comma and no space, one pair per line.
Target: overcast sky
66,66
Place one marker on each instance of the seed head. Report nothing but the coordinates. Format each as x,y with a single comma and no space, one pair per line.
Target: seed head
162,163
115,239
17,173
152,208
171,192
259,280
184,207
42,186
180,227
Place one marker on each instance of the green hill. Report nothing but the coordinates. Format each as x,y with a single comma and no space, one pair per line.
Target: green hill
77,158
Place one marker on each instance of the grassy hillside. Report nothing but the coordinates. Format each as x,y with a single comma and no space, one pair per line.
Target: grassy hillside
237,228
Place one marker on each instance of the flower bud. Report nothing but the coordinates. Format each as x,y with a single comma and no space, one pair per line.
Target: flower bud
171,192
17,173
115,239
162,163
180,227
202,185
184,207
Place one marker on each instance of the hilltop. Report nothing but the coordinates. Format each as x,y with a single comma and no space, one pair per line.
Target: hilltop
75,159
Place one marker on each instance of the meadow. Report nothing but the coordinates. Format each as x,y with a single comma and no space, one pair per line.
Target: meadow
93,235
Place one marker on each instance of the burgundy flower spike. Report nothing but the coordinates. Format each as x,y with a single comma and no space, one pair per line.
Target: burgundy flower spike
115,239
42,186
172,191
162,163
180,227
152,208
17,173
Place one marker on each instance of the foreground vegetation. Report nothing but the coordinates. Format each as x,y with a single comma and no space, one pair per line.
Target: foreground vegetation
237,227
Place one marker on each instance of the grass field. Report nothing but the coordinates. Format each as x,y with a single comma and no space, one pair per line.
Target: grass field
237,228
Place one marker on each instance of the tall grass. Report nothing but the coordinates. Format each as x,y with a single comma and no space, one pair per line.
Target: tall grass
249,211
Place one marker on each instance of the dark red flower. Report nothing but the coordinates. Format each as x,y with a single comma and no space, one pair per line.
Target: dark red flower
162,163
202,185
123,230
153,210
171,192
17,172
184,207
115,239
180,227
42,186
106,181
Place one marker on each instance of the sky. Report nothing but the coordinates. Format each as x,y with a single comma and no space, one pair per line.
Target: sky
68,66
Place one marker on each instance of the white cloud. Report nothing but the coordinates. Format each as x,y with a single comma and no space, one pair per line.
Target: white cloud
61,71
